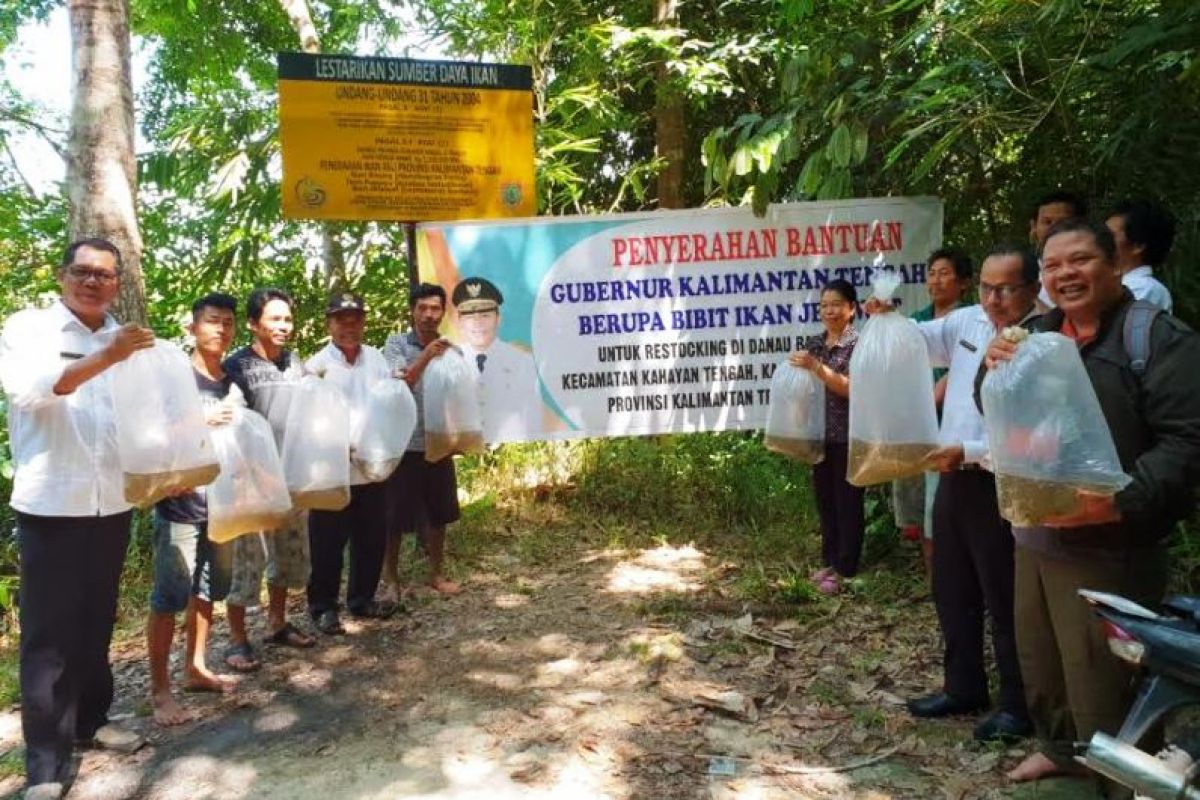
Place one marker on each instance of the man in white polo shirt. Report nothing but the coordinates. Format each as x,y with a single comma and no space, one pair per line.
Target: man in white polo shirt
353,367
1143,232
72,518
972,543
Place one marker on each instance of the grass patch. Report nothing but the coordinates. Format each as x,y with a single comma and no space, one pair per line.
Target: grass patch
669,607
10,684
12,763
868,717
828,692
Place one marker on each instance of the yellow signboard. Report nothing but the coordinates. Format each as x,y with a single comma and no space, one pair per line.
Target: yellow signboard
406,140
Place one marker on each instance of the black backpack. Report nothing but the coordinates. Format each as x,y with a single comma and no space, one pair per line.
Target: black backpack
1139,321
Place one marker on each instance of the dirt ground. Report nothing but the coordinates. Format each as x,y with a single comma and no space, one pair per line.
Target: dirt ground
580,674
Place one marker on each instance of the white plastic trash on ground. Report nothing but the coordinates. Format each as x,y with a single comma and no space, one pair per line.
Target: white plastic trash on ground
316,446
163,442
893,421
381,433
1046,432
251,493
796,415
453,422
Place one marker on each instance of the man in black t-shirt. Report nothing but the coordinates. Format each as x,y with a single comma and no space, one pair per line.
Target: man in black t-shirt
191,572
266,372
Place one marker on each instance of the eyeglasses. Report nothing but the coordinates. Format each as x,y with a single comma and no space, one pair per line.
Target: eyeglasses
100,276
1003,292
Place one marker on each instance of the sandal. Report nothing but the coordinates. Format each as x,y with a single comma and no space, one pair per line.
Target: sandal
244,652
829,585
291,636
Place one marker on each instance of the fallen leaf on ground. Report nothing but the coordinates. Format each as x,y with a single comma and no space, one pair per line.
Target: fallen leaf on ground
728,701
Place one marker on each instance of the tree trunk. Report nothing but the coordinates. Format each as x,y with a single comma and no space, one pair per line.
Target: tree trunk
333,254
668,119
101,164
301,19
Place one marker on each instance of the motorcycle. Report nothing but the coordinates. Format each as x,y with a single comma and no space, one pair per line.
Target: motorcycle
1165,648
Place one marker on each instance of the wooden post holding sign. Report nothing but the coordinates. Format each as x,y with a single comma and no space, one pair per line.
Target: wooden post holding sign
404,140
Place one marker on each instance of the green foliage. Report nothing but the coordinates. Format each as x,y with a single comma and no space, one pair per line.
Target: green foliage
15,13
727,480
986,103
599,70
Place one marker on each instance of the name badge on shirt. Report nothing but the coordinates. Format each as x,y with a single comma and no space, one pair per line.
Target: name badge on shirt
968,345
70,356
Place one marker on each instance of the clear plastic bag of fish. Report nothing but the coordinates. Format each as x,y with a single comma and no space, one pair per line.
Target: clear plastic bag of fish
453,422
251,493
382,431
163,443
1046,432
796,415
316,446
893,420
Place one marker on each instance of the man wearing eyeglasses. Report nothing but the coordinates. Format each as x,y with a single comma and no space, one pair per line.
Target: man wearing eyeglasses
72,518
972,543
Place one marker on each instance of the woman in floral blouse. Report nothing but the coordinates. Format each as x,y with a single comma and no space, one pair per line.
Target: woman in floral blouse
839,504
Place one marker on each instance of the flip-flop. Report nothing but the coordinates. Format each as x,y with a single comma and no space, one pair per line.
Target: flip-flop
291,636
245,651
829,585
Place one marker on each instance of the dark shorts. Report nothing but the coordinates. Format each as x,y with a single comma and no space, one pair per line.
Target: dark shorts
186,563
422,492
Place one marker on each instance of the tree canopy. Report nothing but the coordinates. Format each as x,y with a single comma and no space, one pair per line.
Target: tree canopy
985,103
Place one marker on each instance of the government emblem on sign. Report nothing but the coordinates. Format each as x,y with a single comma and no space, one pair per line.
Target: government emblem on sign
511,194
309,193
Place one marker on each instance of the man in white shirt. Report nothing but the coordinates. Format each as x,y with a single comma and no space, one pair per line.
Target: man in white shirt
353,368
1144,232
973,544
72,518
509,395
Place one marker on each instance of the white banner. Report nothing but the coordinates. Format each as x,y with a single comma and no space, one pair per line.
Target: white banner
661,322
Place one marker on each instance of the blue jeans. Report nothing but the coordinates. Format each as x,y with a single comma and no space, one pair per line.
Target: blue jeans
186,563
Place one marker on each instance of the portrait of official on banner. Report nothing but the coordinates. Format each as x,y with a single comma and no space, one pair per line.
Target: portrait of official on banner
662,322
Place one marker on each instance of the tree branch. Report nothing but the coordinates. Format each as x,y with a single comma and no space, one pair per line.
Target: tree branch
50,134
17,169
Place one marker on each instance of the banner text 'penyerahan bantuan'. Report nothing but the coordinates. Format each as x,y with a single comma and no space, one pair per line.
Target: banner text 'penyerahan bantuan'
669,321
398,139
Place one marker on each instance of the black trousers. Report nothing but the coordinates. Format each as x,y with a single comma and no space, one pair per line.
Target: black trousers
973,578
364,525
840,507
70,575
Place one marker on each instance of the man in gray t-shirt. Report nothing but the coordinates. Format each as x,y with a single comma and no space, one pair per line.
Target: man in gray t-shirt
423,496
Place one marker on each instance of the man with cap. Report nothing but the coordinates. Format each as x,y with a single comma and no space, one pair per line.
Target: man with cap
509,395
353,368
